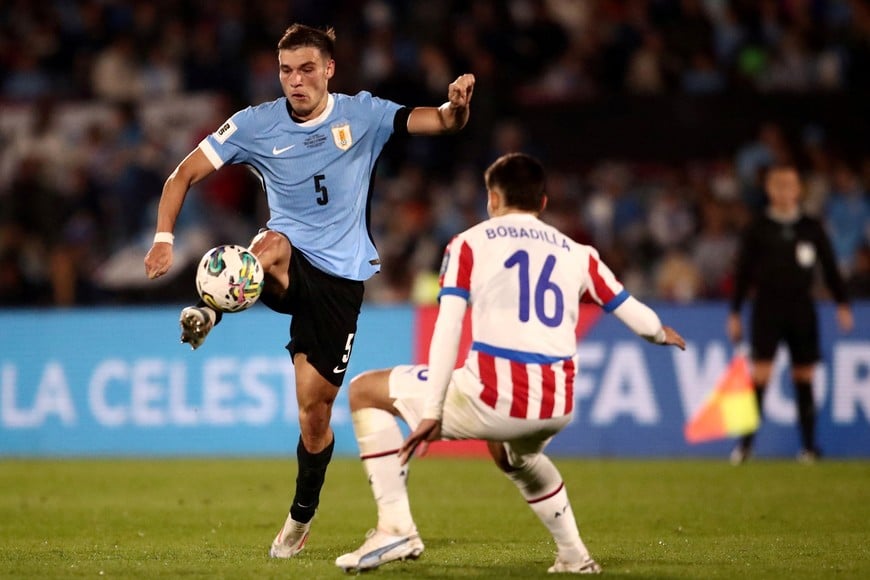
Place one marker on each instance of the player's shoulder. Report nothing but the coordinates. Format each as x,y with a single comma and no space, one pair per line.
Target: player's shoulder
362,100
264,113
761,222
586,249
474,232
357,97
812,226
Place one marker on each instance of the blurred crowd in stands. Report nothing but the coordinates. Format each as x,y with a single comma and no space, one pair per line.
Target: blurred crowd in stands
100,99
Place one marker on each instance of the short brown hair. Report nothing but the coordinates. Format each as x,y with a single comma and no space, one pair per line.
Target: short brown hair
520,178
299,35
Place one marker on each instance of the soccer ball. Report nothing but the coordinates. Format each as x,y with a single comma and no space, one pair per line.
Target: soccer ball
229,278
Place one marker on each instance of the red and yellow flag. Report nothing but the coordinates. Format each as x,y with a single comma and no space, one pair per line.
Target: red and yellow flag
730,410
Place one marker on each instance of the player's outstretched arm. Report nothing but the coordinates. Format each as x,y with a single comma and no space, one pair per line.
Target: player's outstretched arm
643,320
449,117
194,168
442,356
673,338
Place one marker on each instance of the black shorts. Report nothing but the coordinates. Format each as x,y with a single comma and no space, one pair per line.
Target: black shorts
325,310
793,322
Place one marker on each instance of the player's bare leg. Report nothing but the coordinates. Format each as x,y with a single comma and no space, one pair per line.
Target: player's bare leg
374,421
541,485
315,397
273,251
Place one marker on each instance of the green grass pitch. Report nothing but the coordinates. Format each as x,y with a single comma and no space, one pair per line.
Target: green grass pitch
215,518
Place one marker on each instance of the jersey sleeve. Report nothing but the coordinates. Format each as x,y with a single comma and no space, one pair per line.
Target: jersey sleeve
383,112
455,277
601,286
400,121
830,270
744,268
227,144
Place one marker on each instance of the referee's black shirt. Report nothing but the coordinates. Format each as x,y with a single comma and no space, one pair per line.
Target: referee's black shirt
777,259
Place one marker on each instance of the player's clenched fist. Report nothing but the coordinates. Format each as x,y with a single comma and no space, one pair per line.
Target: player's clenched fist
459,91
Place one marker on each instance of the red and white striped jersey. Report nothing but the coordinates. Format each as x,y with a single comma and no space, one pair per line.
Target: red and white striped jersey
524,280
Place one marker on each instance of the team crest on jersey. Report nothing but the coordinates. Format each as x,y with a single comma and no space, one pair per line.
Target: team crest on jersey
342,137
222,134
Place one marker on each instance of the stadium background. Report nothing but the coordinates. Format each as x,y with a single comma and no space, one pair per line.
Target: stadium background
654,117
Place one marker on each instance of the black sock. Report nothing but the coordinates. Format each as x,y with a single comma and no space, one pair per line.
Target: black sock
309,481
747,440
217,313
806,413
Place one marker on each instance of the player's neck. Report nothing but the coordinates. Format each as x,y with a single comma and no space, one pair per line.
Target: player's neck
313,115
503,211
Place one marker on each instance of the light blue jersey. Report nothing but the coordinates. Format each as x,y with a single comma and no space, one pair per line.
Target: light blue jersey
317,174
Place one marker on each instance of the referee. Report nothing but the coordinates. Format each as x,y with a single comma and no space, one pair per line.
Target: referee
777,259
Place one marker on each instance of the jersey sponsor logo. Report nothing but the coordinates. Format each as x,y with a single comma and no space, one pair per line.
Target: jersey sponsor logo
342,137
276,151
338,370
805,254
227,129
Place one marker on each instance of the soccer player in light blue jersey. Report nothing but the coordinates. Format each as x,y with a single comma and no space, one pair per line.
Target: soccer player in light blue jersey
315,153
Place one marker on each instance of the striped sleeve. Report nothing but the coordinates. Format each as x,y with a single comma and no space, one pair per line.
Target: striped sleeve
455,278
601,286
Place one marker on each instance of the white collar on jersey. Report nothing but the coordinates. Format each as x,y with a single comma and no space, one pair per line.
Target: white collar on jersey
330,104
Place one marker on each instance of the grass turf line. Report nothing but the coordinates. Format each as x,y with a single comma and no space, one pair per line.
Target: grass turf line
215,518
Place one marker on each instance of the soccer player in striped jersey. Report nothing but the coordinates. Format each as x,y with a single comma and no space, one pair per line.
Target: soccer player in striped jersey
524,281
315,153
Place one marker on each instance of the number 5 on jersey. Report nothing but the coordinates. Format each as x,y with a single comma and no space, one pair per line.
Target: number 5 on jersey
346,356
321,189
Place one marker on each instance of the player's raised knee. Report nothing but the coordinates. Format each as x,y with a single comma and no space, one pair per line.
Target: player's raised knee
271,248
369,389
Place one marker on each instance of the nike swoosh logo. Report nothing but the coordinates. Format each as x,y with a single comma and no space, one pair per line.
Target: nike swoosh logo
337,370
276,151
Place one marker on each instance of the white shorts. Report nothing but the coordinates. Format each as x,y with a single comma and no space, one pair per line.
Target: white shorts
466,416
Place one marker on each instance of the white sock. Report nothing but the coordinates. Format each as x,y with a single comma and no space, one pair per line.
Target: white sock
541,484
379,439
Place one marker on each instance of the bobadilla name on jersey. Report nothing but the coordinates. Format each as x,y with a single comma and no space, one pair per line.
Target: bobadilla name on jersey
531,233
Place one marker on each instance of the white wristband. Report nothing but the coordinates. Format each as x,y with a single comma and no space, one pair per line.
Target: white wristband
164,237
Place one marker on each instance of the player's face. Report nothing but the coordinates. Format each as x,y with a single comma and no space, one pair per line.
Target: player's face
783,189
304,74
